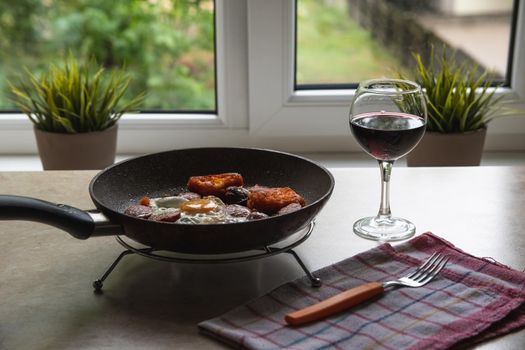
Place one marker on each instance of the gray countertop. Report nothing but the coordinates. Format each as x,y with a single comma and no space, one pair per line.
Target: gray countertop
47,302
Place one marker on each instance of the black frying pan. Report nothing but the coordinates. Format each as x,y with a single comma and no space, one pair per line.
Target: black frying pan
166,173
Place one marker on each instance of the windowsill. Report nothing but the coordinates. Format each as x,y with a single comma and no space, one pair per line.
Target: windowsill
330,160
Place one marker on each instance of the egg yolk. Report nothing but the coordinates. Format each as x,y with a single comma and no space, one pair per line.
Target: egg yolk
201,205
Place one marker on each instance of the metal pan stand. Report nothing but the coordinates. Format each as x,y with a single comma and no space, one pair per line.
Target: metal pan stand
285,246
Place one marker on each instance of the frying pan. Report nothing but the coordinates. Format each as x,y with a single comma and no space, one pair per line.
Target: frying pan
166,173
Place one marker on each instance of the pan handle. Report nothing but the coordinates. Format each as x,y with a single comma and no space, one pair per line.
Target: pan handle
78,223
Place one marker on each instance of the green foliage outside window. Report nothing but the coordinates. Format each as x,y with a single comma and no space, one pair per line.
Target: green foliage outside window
333,49
165,46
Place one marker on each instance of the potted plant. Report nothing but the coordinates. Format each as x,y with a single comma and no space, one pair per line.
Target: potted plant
461,103
74,110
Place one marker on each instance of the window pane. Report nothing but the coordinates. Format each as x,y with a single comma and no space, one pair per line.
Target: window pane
346,41
167,46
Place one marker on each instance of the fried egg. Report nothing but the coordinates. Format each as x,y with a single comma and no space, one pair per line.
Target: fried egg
207,210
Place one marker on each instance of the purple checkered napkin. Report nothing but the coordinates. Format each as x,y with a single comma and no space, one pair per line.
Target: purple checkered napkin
471,300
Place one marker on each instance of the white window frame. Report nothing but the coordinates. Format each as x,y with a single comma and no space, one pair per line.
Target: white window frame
257,104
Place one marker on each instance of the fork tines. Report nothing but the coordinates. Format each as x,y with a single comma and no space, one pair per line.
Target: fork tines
432,266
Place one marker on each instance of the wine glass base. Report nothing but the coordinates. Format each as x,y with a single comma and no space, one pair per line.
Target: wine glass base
384,229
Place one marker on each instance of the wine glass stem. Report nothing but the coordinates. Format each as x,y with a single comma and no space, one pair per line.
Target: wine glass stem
386,169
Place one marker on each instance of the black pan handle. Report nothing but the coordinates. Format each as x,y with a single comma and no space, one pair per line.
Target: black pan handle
76,222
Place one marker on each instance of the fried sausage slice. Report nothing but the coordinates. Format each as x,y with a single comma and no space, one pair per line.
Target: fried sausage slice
290,208
256,215
271,200
237,211
214,185
139,211
166,216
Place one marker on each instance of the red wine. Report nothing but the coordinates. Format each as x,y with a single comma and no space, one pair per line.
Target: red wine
386,135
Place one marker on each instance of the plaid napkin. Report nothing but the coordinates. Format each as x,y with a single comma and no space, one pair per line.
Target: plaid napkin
471,300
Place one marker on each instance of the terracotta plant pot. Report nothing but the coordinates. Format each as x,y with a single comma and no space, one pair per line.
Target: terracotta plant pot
90,150
437,149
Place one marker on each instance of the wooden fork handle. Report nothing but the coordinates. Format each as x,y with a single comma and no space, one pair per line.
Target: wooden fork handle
335,304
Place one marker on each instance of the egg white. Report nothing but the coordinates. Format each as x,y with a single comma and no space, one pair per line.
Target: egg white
214,216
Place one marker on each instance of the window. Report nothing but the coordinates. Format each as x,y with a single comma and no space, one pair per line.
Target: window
150,132
257,101
367,39
166,46
317,118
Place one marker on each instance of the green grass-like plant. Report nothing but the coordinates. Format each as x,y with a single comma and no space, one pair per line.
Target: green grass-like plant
459,98
74,98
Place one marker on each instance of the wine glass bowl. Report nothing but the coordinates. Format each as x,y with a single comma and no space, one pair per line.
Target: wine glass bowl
388,119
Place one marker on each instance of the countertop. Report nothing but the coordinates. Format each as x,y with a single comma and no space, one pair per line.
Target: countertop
47,301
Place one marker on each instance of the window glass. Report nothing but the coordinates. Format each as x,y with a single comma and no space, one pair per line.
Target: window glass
167,46
346,41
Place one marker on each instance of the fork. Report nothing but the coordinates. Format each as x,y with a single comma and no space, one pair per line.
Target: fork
352,297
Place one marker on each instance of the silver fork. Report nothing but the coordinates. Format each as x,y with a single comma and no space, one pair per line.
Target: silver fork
423,274
352,297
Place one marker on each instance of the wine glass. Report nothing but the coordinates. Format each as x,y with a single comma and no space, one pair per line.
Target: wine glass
388,119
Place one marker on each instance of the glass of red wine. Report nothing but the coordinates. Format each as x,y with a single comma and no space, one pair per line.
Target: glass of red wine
388,119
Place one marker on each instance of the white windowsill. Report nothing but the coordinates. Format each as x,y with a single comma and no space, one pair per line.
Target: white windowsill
330,160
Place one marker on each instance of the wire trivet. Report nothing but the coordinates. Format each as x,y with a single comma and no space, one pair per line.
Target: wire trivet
285,246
